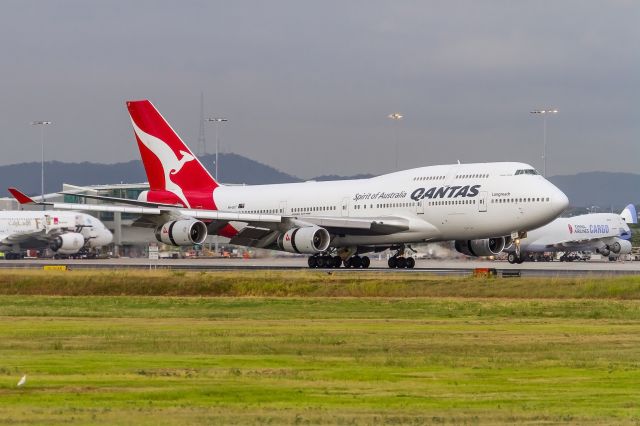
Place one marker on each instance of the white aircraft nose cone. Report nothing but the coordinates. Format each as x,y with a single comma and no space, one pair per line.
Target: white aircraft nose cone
560,201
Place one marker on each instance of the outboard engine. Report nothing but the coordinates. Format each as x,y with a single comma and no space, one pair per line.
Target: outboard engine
618,247
185,232
484,247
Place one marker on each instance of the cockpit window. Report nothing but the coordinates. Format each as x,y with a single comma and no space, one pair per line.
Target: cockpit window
526,172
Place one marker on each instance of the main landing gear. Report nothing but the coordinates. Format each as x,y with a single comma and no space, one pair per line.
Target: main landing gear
400,261
13,256
328,261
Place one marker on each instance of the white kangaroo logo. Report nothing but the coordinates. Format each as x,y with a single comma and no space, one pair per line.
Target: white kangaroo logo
171,164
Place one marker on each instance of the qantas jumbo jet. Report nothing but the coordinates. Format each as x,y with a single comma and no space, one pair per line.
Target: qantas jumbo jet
484,207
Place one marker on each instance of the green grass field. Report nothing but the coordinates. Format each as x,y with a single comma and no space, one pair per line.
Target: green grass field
308,348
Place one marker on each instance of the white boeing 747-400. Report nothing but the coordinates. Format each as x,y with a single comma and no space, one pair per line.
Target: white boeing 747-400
63,232
485,207
605,233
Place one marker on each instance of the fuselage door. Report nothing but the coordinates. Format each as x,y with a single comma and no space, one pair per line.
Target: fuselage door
344,208
482,201
283,208
420,207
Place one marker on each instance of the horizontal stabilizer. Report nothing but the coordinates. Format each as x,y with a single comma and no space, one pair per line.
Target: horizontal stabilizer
21,197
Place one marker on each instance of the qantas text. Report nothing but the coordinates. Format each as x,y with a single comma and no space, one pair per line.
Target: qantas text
445,192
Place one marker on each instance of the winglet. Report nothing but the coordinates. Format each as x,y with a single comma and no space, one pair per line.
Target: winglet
21,197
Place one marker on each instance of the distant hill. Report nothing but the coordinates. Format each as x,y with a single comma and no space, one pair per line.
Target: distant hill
602,189
26,176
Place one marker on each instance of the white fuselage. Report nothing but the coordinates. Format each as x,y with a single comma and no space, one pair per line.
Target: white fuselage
450,202
587,232
35,229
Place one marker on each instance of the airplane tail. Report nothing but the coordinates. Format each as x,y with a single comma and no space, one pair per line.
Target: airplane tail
629,214
175,174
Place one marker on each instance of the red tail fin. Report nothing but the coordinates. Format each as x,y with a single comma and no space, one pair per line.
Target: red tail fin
175,174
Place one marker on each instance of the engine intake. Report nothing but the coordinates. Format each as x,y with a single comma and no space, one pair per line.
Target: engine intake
484,247
69,243
185,232
307,240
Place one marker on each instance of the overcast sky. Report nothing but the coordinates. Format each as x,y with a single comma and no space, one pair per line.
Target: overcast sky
307,86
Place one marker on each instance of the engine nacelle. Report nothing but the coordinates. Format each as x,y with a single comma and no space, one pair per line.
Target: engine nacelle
620,246
484,247
68,243
185,232
307,240
99,237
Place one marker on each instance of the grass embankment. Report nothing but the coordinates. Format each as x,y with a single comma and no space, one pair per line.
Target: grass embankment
309,284
294,360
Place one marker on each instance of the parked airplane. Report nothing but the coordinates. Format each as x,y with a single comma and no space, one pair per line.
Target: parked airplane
483,206
63,232
605,233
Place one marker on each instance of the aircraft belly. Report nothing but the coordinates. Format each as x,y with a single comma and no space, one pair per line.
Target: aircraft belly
401,237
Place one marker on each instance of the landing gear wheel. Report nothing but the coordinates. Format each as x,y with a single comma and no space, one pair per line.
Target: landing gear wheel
366,262
411,262
520,259
337,261
401,262
312,262
320,262
356,262
512,258
347,263
393,262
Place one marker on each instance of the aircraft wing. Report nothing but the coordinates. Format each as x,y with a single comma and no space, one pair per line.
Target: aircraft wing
153,214
28,238
568,244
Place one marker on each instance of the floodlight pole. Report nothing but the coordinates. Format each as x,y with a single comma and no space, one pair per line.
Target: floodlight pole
217,121
395,117
41,124
544,113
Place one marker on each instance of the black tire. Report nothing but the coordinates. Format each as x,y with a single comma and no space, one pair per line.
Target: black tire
312,262
337,261
393,263
320,262
520,259
347,263
411,262
356,262
401,262
366,262
511,258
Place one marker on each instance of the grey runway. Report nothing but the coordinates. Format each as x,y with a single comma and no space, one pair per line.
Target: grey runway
440,267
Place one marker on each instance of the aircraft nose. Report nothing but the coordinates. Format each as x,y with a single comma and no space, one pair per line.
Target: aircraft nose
559,200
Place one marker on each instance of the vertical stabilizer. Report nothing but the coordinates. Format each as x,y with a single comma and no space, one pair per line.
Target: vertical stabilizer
175,174
629,214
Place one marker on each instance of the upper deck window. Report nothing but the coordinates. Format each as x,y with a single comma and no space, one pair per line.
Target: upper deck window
526,172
